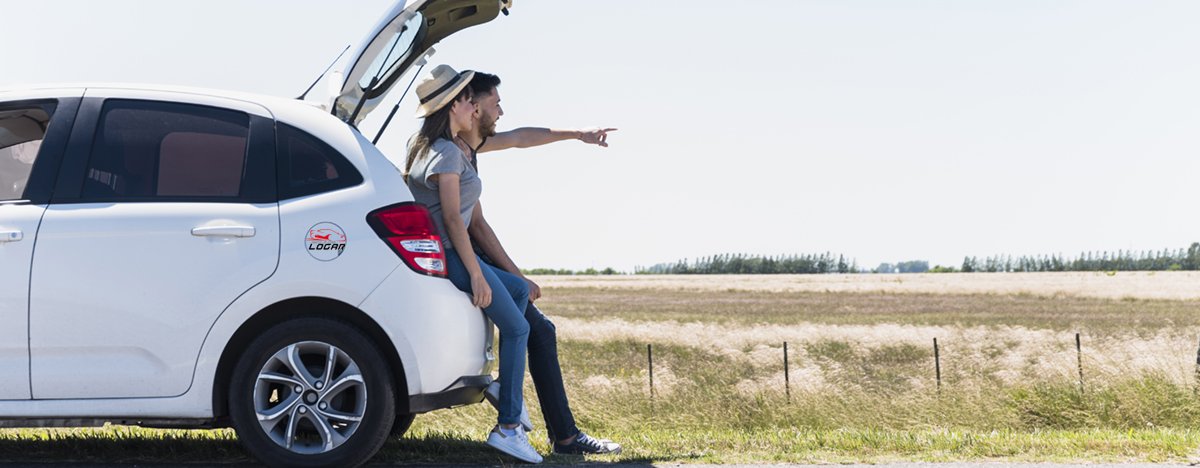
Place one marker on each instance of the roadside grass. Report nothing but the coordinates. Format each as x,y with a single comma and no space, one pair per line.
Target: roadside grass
646,445
120,444
796,445
861,378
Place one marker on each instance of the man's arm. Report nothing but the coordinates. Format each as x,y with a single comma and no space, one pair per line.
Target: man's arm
485,238
528,137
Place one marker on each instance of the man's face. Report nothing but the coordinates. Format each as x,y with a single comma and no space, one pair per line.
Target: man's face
489,112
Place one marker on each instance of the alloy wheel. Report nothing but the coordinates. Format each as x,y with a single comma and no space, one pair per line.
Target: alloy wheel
310,397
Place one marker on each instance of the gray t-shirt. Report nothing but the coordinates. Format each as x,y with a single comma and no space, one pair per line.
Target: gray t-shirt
444,157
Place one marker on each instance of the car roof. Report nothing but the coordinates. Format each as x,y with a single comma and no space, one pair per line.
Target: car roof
266,101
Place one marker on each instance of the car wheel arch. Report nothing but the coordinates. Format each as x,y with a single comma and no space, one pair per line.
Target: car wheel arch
295,308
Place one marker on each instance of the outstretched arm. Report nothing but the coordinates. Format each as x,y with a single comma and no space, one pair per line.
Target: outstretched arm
485,238
528,137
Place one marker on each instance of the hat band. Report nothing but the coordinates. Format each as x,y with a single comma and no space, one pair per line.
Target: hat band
441,90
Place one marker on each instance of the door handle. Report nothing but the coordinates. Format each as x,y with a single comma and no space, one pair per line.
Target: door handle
11,236
223,231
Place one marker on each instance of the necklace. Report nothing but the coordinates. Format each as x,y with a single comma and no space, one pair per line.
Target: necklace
467,149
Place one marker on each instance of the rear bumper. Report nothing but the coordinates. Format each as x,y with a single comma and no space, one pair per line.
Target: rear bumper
439,336
467,390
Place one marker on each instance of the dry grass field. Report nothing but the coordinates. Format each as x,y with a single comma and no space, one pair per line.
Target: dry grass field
1180,285
863,386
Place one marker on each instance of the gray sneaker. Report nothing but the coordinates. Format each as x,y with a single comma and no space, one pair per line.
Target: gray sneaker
585,444
492,394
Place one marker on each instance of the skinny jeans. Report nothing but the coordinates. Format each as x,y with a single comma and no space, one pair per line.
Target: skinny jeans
546,371
510,297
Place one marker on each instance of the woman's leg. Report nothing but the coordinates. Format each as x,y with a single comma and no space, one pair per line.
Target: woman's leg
507,295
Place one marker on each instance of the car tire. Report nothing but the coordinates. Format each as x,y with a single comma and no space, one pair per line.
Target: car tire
312,392
403,422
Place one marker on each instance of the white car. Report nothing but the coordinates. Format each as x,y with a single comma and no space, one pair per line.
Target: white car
177,257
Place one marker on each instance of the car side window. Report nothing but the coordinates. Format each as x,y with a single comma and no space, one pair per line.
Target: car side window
148,151
21,133
308,165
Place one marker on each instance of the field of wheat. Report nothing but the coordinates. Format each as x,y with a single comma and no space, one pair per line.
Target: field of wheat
862,382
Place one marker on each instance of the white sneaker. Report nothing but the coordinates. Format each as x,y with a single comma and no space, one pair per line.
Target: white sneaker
492,394
516,445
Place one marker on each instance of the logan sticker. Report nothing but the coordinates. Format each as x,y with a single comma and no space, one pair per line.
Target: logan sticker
325,241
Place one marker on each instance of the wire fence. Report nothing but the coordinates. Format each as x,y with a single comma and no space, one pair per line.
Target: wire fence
937,367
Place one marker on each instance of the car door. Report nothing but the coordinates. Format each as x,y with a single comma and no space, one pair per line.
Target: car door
32,135
165,213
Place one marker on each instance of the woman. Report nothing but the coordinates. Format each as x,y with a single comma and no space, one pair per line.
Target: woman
442,178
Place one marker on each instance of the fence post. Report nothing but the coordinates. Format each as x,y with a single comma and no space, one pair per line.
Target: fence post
1198,371
650,364
1079,361
787,379
937,365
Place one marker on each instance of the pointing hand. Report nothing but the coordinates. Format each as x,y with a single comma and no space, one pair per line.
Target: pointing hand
596,136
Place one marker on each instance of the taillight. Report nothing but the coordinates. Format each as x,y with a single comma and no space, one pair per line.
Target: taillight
409,230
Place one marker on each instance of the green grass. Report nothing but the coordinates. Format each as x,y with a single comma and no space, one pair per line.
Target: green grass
649,444
798,445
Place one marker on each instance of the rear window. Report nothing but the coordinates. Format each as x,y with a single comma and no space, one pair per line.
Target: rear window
159,150
309,166
21,134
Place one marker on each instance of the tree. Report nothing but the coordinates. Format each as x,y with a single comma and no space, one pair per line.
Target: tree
1191,261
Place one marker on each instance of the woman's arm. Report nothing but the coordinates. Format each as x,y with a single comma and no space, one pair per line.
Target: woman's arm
483,236
529,137
457,230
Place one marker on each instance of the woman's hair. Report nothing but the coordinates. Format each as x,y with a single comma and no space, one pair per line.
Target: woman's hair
436,125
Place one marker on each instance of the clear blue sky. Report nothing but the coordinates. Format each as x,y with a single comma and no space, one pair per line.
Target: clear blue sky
884,129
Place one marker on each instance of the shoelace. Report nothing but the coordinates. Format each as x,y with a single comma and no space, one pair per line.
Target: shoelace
588,441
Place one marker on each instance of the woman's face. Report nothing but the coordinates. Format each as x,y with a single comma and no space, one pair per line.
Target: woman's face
462,113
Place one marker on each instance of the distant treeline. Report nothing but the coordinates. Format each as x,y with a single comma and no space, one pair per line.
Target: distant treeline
1122,260
742,264
551,271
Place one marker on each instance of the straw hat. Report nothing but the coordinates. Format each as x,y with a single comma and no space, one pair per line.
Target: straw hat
439,88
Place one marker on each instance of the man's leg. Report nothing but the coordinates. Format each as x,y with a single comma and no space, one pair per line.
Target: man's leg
547,375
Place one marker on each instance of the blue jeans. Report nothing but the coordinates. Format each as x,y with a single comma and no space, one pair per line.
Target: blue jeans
510,297
547,375
546,372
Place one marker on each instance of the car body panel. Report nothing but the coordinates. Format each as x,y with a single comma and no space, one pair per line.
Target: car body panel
422,324
122,293
15,260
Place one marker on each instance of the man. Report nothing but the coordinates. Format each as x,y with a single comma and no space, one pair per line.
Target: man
543,347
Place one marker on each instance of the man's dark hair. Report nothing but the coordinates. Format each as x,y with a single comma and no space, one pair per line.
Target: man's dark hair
484,83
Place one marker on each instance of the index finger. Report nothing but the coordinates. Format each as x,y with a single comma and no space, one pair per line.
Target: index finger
606,130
